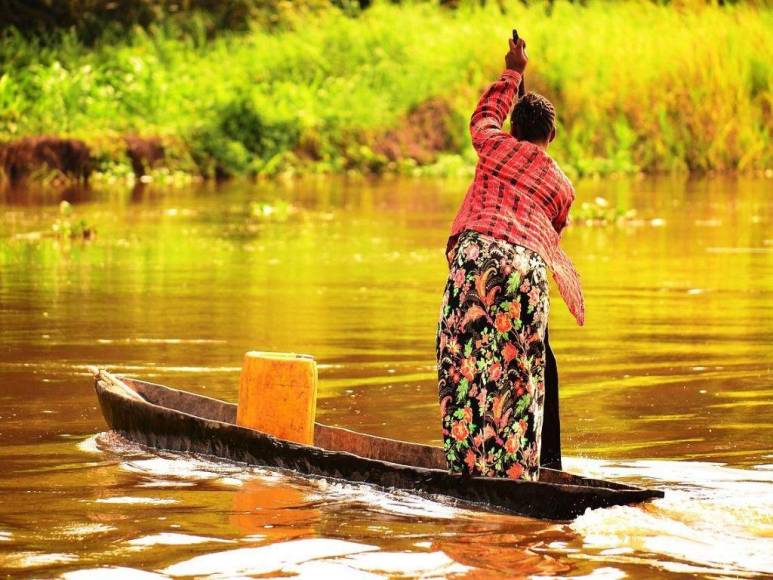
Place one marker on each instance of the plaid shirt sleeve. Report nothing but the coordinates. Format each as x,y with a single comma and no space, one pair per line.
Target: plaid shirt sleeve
559,223
499,152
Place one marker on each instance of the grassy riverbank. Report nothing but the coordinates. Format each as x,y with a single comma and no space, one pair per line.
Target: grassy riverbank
638,87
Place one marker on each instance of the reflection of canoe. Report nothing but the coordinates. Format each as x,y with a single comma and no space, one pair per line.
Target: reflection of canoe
165,418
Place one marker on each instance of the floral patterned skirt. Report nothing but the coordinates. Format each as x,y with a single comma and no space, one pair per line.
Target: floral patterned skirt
491,358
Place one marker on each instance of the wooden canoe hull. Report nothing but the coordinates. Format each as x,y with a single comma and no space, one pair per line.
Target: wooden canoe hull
165,418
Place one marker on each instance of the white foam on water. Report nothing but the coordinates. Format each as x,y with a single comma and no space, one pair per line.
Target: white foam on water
714,518
112,573
324,569
395,501
562,547
16,560
688,473
84,530
165,483
279,557
183,468
131,500
231,481
168,469
606,573
6,536
90,445
424,564
173,539
616,551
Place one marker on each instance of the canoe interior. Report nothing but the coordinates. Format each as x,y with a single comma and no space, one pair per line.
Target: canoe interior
339,439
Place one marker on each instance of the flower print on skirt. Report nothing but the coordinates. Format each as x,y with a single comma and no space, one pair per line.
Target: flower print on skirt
491,358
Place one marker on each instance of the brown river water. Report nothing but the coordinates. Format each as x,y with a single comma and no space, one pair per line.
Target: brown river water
668,385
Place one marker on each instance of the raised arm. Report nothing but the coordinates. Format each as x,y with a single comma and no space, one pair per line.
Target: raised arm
490,142
492,111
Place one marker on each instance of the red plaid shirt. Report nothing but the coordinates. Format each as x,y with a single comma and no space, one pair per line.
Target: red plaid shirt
519,194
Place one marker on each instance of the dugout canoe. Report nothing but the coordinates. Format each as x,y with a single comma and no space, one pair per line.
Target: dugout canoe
169,419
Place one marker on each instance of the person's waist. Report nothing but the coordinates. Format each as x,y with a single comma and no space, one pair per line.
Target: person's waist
512,245
534,239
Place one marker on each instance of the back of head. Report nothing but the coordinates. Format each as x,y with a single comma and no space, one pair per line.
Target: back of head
533,119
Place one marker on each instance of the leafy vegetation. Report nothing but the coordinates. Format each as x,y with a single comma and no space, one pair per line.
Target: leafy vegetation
638,87
70,226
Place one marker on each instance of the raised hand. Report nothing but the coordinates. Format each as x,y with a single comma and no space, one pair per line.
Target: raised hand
516,58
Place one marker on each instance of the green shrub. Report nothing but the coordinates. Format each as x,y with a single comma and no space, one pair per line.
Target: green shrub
241,139
318,94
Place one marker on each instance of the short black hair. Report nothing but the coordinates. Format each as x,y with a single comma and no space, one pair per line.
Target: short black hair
533,118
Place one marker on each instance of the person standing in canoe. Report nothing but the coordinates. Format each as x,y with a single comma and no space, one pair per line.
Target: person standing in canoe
493,320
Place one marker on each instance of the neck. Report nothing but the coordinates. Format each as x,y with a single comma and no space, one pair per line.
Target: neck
541,144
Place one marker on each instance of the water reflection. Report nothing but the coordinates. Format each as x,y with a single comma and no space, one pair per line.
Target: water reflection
275,510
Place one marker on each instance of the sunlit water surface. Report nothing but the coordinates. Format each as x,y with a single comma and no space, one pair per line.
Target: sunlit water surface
668,385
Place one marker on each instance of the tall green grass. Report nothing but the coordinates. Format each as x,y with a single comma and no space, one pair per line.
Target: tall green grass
637,86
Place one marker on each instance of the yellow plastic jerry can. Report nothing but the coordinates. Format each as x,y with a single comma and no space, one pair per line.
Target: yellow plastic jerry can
278,395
